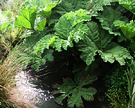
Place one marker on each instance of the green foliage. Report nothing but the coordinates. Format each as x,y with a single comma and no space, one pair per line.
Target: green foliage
74,90
47,11
127,29
107,18
97,41
68,28
128,4
121,86
26,19
65,6
6,26
9,35
65,27
89,28
33,17
117,88
36,59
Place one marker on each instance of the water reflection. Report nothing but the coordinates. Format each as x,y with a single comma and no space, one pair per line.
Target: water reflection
33,91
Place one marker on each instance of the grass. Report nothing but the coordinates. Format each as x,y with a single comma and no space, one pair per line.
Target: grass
8,69
9,60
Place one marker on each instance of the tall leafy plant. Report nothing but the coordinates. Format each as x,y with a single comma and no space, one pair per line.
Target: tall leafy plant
87,26
127,28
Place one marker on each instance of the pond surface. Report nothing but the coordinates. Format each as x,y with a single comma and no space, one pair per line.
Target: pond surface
36,88
34,91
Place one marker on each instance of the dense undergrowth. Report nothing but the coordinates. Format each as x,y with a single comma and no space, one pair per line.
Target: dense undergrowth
94,37
9,62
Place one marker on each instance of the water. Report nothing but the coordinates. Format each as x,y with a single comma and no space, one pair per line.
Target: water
34,91
36,87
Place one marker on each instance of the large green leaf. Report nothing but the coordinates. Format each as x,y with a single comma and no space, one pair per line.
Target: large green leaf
46,12
68,28
41,8
128,4
93,6
73,5
26,19
67,23
42,44
75,90
115,52
98,41
107,19
40,24
77,93
51,41
127,29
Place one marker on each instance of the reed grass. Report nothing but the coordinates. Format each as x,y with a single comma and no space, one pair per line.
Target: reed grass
10,59
11,65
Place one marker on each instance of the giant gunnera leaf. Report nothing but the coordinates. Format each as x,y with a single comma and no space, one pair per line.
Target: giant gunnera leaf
107,18
127,29
75,91
65,6
128,4
99,41
73,5
70,27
